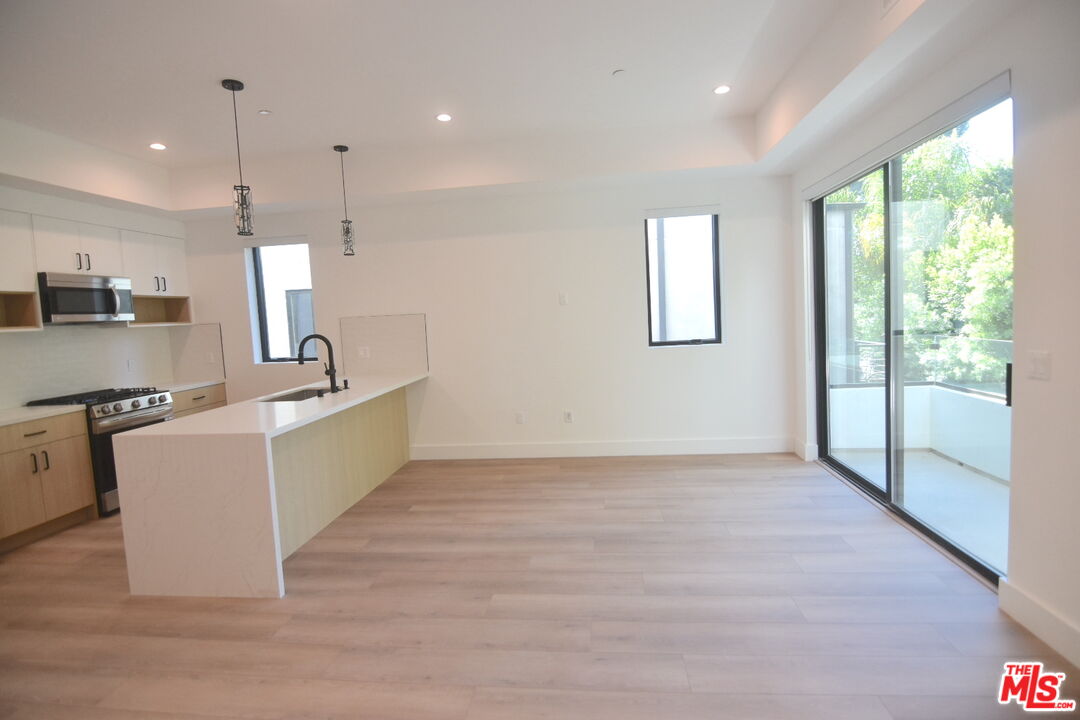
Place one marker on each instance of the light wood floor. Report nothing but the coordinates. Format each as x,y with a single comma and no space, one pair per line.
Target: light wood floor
689,588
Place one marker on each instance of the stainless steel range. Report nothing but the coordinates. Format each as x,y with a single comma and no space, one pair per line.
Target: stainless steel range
107,413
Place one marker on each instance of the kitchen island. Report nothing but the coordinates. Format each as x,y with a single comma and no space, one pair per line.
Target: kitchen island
213,503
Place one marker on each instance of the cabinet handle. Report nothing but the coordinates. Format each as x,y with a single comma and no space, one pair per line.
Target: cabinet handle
201,397
35,434
164,284
78,259
46,454
33,456
157,283
87,261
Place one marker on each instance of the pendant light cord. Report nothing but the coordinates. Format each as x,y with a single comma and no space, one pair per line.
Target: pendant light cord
236,126
344,197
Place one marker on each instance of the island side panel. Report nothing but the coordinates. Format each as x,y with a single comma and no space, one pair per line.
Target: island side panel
323,469
198,515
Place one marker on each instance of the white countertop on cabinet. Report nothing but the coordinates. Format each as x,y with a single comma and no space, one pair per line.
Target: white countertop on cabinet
200,507
253,417
181,387
16,415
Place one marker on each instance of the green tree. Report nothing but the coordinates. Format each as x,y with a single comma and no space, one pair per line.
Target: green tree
955,240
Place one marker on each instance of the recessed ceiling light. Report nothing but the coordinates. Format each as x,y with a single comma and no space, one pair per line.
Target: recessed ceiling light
444,117
266,112
157,146
722,89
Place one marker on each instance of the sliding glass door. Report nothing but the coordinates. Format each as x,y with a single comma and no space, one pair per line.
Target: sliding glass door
854,239
914,275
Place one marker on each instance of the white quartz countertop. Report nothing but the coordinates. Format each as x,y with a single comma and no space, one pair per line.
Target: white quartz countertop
181,387
15,415
252,417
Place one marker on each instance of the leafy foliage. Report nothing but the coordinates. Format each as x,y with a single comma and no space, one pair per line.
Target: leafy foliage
954,246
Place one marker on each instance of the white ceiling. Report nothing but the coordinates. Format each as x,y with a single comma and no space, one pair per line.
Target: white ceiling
120,74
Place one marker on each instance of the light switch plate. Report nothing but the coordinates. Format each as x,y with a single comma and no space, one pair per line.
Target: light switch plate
1039,365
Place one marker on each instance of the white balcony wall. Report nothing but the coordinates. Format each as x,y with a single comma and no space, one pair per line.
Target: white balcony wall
970,428
858,415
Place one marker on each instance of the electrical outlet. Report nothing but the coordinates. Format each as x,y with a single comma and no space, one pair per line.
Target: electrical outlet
519,417
564,299
363,352
568,416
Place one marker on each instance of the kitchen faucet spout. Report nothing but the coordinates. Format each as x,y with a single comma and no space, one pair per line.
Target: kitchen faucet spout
331,370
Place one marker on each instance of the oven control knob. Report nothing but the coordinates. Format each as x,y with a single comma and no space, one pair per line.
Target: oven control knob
161,398
135,404
152,401
105,409
117,407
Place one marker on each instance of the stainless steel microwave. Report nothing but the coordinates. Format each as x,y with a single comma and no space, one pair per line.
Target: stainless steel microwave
85,298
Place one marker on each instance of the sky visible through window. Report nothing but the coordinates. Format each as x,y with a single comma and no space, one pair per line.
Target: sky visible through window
989,137
284,267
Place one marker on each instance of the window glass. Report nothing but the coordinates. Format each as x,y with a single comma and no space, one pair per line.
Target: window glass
684,280
283,294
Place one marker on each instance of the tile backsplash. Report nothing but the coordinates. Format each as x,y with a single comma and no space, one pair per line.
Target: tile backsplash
74,358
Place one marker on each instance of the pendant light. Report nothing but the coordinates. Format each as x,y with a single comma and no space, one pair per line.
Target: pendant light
242,205
346,224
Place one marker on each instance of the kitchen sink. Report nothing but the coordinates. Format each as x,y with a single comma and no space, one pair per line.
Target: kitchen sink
305,394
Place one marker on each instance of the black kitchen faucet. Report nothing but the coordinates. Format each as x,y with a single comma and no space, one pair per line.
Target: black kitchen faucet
330,369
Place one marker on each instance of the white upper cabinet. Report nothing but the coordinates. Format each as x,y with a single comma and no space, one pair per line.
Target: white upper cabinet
57,246
68,247
101,246
140,262
157,265
17,272
172,258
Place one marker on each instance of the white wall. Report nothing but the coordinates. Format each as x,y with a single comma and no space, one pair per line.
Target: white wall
1038,45
488,271
76,358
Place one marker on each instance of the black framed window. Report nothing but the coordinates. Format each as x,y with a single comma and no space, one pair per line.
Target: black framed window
282,298
683,278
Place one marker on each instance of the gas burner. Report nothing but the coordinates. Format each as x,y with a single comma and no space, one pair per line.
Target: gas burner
96,396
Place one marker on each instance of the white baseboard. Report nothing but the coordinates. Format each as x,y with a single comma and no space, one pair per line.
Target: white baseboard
601,448
1046,624
809,451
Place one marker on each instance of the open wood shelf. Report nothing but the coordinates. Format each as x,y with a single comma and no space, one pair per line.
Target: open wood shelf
152,311
19,311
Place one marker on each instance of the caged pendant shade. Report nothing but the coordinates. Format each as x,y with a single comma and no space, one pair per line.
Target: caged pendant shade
347,239
242,203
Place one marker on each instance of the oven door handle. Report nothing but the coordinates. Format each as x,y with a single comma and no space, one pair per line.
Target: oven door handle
100,426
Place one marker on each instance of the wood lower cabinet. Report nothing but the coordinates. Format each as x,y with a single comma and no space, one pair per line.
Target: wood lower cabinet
22,504
67,477
199,409
187,402
43,482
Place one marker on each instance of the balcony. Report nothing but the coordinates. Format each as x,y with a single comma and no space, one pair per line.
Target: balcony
953,473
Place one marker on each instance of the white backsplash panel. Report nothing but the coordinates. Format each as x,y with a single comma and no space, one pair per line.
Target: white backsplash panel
74,358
